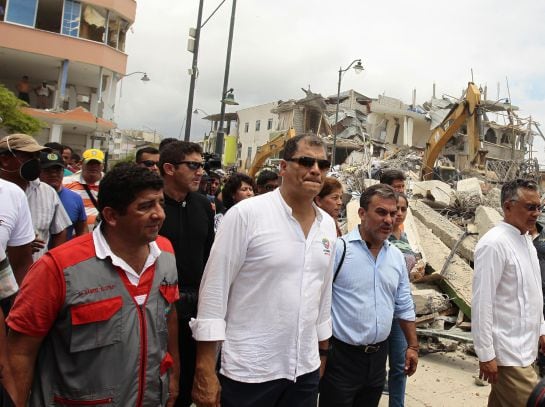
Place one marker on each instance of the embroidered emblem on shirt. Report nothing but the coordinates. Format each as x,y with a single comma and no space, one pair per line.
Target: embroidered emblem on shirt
326,244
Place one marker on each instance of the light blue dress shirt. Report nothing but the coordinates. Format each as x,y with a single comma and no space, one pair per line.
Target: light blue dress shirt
369,293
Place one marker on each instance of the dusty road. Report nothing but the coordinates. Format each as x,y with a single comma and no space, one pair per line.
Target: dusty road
444,380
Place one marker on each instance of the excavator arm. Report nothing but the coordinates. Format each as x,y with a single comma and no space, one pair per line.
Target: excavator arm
269,149
464,111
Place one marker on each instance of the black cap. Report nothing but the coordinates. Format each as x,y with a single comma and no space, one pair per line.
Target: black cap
50,159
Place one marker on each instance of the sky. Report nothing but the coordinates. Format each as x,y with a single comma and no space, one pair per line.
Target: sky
282,46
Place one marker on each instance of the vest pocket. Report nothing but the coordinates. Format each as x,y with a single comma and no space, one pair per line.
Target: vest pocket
63,401
96,324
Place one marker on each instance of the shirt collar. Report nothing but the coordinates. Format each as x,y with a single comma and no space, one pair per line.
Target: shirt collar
511,228
102,251
354,235
276,193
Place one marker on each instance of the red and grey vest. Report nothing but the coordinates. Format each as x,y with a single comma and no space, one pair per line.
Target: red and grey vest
104,349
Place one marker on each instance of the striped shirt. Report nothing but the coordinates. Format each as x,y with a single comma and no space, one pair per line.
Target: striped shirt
48,214
76,183
8,285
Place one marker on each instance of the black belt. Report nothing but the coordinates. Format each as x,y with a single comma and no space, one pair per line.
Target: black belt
373,348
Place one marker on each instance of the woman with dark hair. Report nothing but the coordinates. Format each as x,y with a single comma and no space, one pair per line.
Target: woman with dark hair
237,188
330,199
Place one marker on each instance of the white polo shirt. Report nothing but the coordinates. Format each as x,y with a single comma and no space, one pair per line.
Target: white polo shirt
266,291
15,222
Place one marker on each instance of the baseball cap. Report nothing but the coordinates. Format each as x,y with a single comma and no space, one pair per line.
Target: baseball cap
93,154
20,142
50,159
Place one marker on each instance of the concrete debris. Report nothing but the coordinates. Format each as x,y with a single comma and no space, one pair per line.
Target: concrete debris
448,232
470,186
436,191
457,277
485,219
429,300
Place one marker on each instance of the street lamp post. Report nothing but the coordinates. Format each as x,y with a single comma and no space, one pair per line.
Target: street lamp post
197,110
226,92
358,68
194,73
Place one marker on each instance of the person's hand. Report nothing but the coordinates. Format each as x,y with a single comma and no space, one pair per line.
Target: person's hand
206,389
37,244
173,388
542,344
323,362
411,361
488,371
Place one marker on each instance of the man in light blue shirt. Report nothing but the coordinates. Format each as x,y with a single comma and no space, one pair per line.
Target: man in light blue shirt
370,288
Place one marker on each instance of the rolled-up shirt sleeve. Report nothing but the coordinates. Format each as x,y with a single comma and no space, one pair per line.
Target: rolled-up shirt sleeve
404,305
226,258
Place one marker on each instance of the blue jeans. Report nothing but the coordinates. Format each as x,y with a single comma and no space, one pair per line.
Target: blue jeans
397,346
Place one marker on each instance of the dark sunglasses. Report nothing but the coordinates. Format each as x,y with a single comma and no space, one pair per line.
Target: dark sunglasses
269,187
308,162
192,165
149,163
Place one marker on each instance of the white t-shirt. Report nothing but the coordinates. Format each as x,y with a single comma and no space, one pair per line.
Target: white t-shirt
15,222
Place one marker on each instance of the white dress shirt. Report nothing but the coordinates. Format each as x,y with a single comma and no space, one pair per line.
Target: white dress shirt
507,305
266,291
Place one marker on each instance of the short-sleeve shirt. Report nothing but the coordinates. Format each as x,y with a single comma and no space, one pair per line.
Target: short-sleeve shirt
48,214
15,221
73,205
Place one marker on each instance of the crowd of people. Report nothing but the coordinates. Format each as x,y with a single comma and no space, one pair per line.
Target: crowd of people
160,282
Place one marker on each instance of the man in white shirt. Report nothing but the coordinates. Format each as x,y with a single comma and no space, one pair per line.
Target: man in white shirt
266,292
507,306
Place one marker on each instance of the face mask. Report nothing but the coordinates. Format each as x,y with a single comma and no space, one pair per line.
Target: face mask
30,170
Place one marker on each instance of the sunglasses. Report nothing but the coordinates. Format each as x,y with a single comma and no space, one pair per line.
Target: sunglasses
308,162
149,163
269,187
192,165
530,207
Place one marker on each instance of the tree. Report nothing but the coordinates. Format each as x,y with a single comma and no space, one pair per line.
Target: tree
13,118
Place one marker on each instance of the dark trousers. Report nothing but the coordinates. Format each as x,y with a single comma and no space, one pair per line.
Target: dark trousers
352,377
275,393
188,352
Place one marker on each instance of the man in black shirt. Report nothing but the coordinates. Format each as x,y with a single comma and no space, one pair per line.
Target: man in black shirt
189,225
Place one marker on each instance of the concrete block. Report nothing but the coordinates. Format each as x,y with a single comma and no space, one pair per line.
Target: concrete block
428,301
445,230
458,276
471,186
485,219
435,190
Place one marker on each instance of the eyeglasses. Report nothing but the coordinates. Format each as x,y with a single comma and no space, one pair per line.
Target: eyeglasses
149,163
308,162
530,207
270,187
192,165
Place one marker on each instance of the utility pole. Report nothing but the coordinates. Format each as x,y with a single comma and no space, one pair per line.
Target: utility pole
194,70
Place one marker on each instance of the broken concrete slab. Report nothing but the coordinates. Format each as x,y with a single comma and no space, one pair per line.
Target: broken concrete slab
457,277
470,186
448,232
437,191
485,219
429,300
352,218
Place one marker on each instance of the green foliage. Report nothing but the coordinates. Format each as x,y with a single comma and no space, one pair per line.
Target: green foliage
13,118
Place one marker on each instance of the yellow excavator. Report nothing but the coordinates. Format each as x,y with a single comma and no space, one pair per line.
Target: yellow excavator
269,149
465,111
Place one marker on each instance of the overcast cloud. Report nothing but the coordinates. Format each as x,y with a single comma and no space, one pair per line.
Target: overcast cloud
283,45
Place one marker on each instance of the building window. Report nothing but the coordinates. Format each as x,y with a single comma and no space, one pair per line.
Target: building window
49,15
22,12
246,127
249,153
257,125
71,18
93,23
269,124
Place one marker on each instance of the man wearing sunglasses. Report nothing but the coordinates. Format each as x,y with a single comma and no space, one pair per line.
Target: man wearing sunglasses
266,292
507,306
267,181
189,225
148,157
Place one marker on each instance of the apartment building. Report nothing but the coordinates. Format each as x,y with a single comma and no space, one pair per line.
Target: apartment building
74,49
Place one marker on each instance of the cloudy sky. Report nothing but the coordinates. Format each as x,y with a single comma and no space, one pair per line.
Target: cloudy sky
282,46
